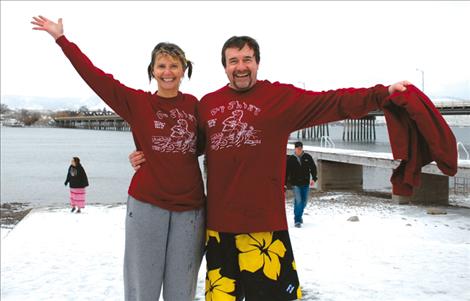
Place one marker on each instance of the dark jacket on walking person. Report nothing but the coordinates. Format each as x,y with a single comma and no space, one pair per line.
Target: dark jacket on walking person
78,180
77,177
299,169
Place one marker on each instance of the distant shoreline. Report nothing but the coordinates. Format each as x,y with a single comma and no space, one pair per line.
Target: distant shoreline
378,122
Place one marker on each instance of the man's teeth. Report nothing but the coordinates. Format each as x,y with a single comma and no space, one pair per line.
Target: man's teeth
241,75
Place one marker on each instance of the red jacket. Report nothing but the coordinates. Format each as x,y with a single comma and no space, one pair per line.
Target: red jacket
418,135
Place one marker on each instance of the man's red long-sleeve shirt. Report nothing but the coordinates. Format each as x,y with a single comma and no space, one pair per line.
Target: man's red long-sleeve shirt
246,137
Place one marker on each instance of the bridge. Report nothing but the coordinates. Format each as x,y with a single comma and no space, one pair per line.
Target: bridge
342,169
363,129
94,121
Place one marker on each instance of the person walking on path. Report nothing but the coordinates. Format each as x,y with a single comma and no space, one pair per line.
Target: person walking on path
300,166
78,181
165,221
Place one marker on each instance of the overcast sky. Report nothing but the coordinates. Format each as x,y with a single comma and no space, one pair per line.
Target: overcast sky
322,45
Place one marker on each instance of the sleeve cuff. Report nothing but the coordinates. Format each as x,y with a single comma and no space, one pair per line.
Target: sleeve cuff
382,91
62,40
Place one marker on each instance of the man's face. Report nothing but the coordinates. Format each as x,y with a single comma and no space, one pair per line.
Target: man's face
298,150
241,68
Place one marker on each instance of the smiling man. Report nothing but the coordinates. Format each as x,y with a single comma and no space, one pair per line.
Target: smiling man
241,64
249,254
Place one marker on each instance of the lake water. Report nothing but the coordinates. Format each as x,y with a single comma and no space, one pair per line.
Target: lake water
34,162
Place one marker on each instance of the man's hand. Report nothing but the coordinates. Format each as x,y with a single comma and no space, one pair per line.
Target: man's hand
398,87
56,30
136,159
312,182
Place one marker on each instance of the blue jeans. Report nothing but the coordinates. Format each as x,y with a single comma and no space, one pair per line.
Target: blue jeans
300,201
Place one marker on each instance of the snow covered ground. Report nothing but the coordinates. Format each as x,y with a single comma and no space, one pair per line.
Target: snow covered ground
392,253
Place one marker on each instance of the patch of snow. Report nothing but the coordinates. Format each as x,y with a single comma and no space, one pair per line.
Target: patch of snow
56,255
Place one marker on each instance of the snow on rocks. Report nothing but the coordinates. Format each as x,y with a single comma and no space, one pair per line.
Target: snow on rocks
353,219
435,211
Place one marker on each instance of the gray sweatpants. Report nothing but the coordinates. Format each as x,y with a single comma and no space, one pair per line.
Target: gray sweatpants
162,248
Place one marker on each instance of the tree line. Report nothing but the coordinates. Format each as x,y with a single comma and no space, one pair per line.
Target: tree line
36,117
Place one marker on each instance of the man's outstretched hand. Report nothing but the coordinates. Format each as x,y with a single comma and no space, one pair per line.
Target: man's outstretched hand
398,87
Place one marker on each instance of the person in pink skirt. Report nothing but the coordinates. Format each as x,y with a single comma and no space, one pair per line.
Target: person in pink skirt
78,180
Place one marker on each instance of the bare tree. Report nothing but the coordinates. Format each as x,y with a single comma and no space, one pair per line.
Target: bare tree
28,117
4,108
67,113
83,110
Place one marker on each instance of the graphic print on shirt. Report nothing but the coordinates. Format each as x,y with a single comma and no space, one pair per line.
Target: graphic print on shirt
235,132
181,139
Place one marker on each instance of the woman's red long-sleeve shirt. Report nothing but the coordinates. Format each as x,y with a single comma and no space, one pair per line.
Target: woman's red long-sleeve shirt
165,129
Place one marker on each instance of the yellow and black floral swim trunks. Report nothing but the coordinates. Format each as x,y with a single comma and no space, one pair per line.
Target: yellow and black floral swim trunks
255,266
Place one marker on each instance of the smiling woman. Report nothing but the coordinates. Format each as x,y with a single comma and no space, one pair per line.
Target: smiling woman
167,66
165,210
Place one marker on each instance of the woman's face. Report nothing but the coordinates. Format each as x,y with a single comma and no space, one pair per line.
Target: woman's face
168,71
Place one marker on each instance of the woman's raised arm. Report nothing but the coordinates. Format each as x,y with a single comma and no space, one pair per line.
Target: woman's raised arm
111,91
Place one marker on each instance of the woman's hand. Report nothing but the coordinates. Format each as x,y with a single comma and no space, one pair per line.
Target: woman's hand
136,159
56,30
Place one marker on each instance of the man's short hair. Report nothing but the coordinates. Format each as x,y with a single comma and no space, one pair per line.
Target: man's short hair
240,42
298,144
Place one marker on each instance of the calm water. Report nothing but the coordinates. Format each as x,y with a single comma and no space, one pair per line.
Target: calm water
34,162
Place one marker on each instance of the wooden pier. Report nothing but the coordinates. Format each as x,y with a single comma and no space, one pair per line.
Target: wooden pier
108,122
314,132
362,129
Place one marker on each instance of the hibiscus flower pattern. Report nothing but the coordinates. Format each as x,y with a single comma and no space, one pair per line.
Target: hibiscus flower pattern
257,250
218,288
212,233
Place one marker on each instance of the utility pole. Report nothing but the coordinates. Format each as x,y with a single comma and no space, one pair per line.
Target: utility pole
422,78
